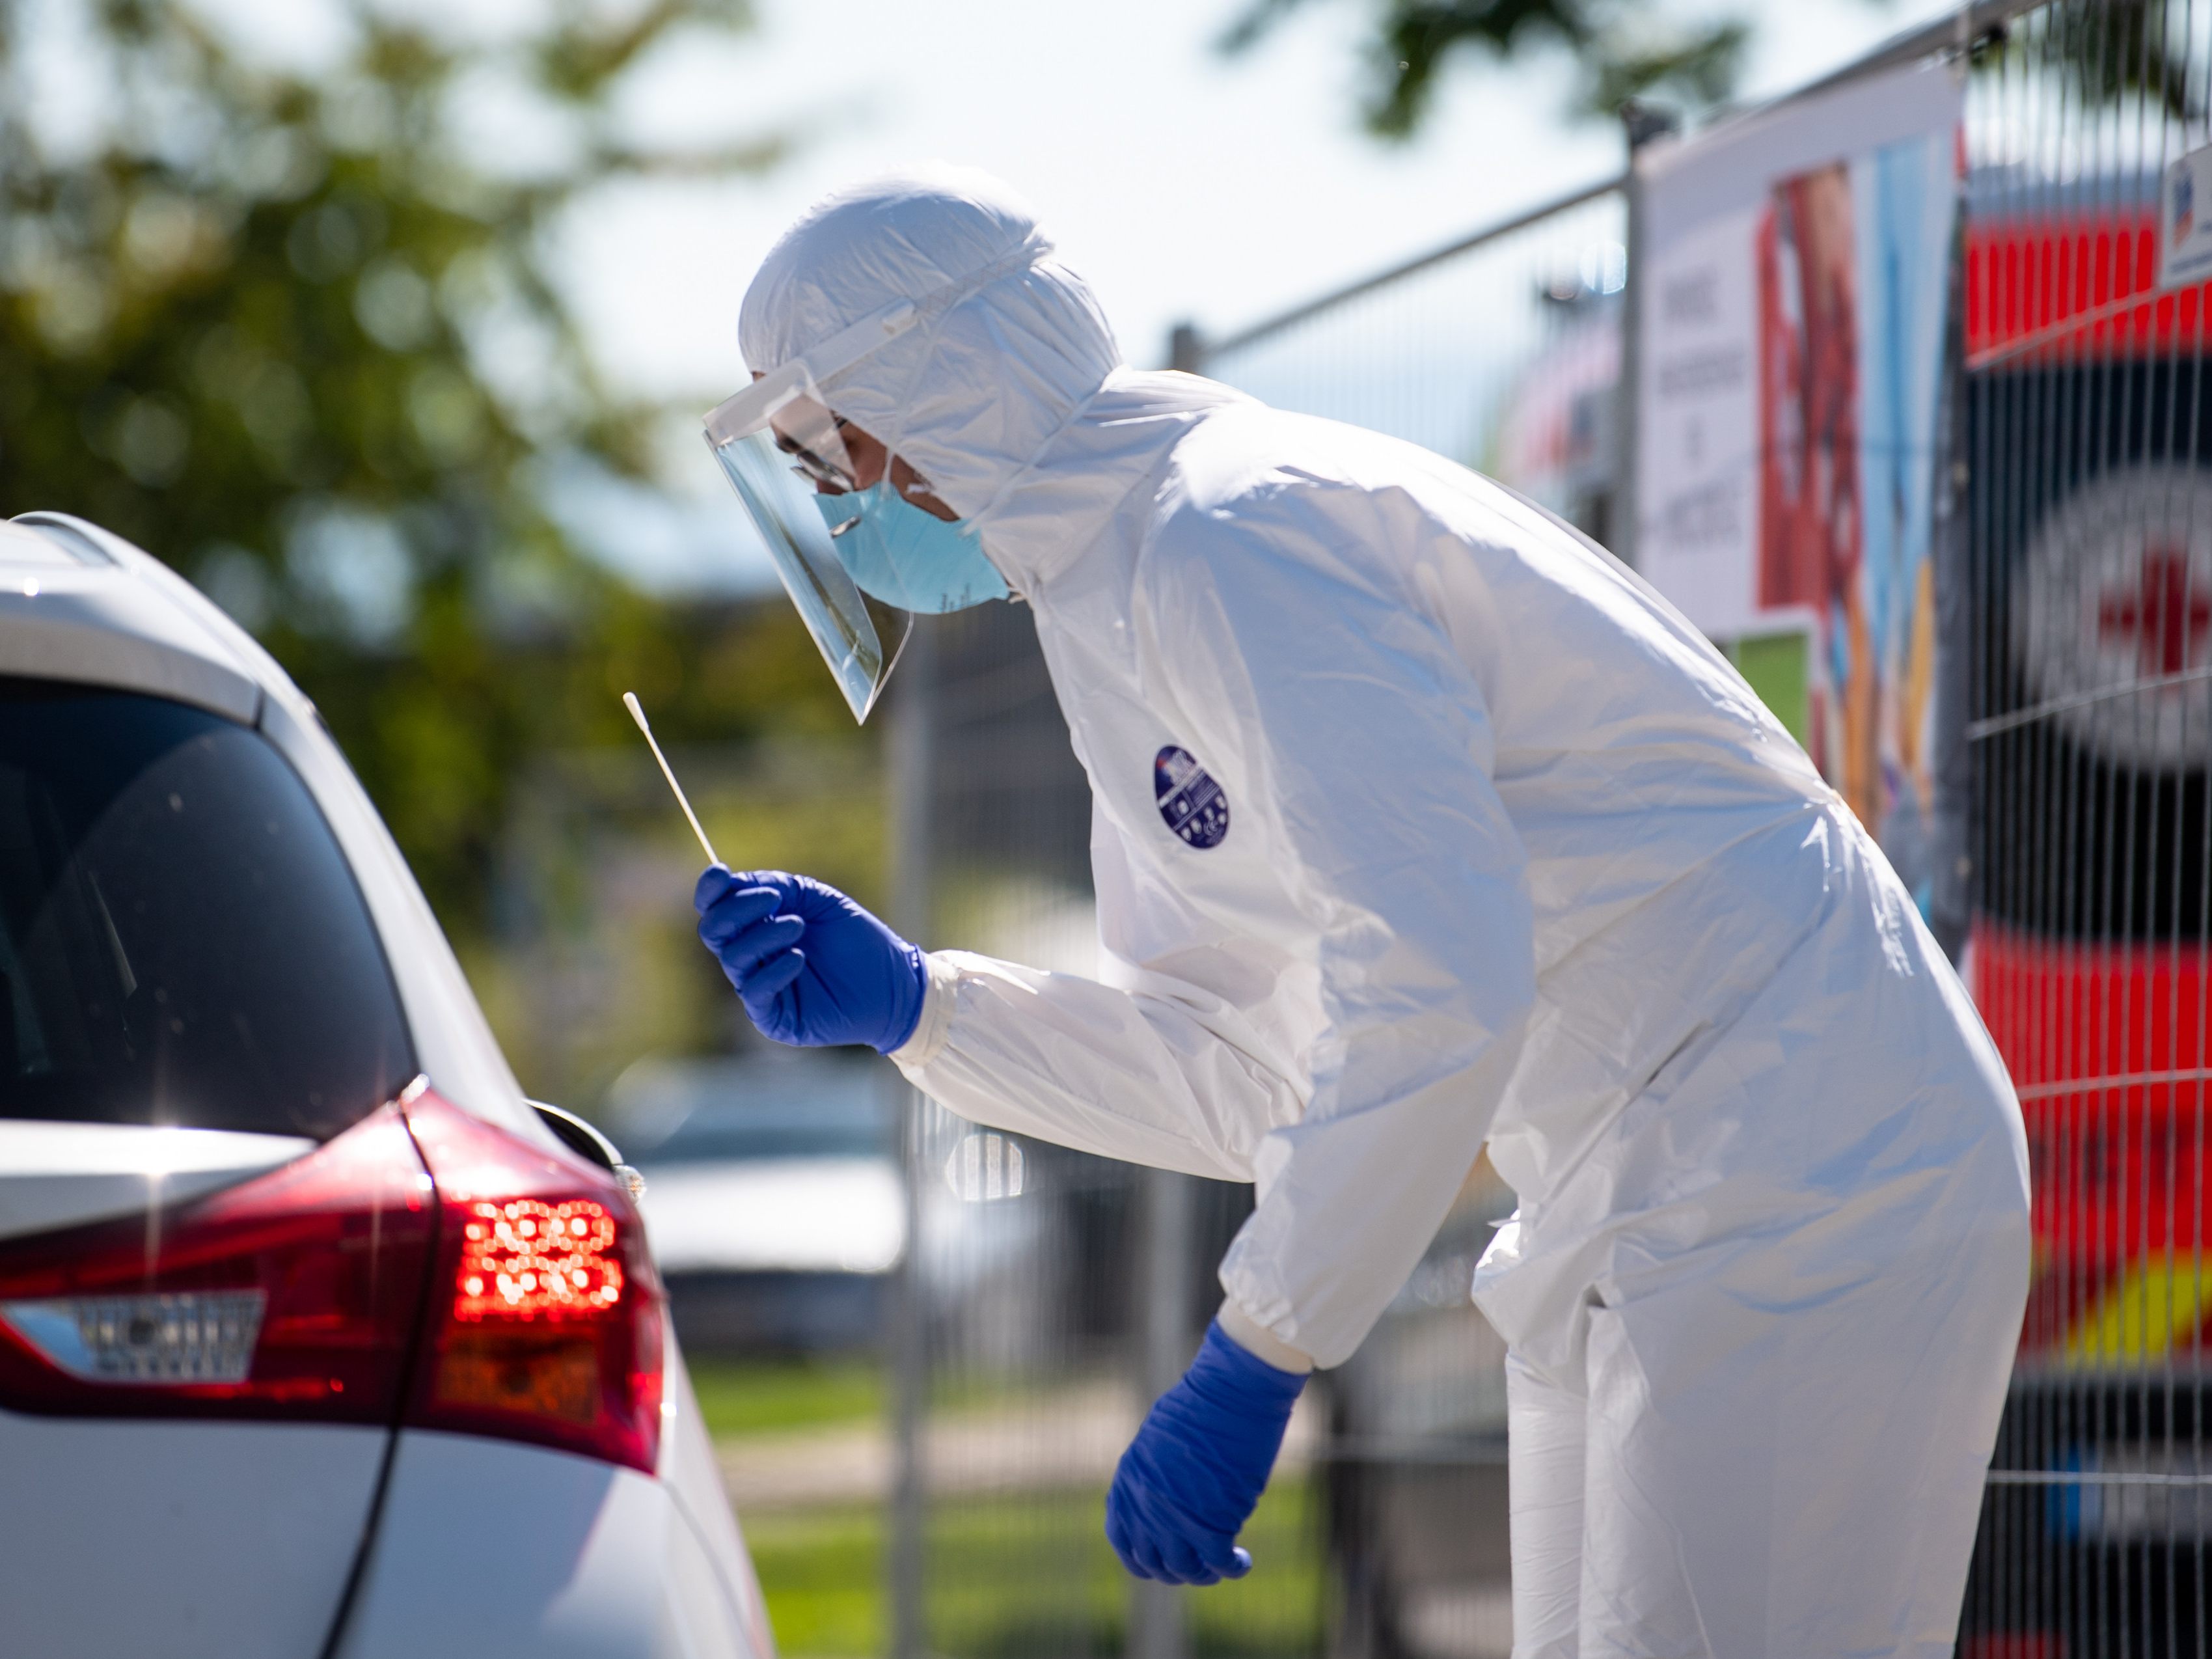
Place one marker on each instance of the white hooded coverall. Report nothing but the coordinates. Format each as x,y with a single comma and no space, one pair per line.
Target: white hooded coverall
1420,821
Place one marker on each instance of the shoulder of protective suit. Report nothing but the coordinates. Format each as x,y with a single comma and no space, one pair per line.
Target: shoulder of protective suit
1251,487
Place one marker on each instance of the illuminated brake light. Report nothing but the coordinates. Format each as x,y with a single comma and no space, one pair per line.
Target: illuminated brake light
528,1260
549,1329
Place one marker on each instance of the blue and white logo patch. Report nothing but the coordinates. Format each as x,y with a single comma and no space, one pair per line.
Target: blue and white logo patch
1191,803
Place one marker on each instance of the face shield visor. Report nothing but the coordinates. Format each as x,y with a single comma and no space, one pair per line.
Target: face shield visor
778,444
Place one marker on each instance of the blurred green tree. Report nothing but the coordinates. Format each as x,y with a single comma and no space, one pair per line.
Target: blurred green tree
1622,49
298,334
1630,50
2111,52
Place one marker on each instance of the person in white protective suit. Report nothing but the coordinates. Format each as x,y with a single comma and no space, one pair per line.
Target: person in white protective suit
1419,822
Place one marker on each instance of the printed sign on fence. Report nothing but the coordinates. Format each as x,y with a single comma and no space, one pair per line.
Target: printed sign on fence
2184,221
1797,266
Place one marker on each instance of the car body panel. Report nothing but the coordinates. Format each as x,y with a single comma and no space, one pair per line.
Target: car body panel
226,1540
239,1539
689,1466
58,1175
507,1552
93,623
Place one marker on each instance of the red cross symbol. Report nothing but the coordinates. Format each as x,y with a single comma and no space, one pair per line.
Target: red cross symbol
2165,619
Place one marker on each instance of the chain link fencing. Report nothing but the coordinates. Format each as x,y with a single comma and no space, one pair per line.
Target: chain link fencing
2081,589
1048,1296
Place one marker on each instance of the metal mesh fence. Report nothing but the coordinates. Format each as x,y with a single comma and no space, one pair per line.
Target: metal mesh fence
1019,1346
1051,1293
2086,578
1502,352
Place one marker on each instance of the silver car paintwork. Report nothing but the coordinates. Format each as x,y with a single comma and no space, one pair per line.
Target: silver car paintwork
183,1538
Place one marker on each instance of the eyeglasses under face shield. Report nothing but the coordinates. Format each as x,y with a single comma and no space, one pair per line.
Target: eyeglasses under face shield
779,445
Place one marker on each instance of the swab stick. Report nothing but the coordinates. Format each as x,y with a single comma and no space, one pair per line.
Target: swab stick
637,714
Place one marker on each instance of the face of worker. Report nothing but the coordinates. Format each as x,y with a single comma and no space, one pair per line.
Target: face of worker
868,456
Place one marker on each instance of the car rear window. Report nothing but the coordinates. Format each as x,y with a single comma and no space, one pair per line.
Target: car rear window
181,940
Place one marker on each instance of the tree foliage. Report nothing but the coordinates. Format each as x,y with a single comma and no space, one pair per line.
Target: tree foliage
298,334
2110,52
2106,50
1623,49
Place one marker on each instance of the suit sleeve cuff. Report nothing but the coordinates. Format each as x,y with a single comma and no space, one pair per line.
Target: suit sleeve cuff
1262,1344
935,1025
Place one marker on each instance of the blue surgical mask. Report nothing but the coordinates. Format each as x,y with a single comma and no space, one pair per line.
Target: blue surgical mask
905,556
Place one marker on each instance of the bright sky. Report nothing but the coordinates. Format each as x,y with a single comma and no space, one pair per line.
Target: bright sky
1181,184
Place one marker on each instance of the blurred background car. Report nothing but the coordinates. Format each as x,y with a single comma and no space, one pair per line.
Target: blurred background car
315,1336
778,1213
776,1209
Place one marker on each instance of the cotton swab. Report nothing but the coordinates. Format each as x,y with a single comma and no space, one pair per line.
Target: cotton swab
637,714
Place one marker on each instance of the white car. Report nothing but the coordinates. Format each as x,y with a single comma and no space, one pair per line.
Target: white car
316,1337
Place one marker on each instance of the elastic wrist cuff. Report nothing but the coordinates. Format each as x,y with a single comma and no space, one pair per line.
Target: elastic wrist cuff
1262,1344
935,1025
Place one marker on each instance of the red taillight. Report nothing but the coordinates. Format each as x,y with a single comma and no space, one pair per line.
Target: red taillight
294,1295
545,1311
516,1288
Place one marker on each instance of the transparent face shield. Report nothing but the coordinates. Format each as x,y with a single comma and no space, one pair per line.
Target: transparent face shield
778,445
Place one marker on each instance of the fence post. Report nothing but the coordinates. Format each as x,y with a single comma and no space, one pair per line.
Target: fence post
1187,349
1640,123
1166,1236
913,743
1158,1613
1953,833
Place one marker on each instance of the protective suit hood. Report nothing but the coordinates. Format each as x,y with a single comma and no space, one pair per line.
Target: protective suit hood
1009,347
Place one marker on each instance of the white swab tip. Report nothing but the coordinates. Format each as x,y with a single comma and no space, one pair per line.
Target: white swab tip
636,712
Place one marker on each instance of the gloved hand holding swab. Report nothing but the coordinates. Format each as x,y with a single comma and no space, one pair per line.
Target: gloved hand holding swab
637,714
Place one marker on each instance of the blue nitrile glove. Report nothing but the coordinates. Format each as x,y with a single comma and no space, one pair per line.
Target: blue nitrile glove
811,967
1190,1479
